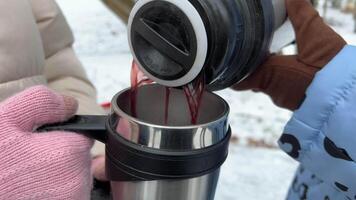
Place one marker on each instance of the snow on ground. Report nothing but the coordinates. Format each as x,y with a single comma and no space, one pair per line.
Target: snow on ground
255,174
249,173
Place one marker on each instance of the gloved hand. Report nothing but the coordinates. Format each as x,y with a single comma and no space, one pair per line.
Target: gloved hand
285,78
52,165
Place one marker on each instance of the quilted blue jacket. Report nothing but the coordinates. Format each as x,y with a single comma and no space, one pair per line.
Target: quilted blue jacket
322,134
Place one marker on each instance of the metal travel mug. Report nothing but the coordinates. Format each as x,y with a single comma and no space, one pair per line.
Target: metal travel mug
151,158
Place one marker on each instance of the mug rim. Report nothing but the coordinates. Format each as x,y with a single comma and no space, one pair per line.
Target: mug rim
122,114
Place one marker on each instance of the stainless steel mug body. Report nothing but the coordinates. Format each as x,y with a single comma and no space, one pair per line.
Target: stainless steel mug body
201,188
169,161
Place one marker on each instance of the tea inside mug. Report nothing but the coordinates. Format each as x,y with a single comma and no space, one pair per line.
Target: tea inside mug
151,108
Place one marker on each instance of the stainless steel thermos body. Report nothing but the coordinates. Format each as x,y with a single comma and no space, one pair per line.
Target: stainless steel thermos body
174,41
147,159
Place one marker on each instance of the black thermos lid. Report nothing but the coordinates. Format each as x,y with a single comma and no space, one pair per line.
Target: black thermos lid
168,40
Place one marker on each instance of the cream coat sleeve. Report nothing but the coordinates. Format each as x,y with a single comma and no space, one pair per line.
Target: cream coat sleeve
62,69
21,52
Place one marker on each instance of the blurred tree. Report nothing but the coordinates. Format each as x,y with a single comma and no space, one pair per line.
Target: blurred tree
348,6
121,8
315,3
325,8
336,4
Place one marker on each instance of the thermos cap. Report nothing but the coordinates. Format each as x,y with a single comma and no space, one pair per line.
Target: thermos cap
168,39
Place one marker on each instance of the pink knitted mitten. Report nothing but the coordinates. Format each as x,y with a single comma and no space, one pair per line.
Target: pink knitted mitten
53,165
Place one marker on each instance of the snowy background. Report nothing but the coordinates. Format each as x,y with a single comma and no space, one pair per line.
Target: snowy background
255,169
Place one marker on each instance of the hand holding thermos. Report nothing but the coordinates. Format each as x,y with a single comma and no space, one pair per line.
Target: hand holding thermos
285,78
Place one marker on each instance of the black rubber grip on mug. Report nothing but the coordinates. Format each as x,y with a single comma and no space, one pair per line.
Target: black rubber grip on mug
126,161
92,126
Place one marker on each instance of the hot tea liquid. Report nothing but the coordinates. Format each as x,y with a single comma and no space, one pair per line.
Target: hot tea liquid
138,79
193,92
166,105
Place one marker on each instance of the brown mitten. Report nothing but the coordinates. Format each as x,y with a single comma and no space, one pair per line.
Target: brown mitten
285,78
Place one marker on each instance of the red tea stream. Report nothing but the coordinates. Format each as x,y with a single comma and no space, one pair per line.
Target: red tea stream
166,105
138,79
193,92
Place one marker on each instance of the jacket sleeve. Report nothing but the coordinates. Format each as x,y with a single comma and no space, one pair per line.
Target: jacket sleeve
63,70
321,134
21,53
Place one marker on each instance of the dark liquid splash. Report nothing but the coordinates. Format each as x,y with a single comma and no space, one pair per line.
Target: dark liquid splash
193,92
166,105
138,79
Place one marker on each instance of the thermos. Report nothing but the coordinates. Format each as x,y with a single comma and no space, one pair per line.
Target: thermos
174,41
151,158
